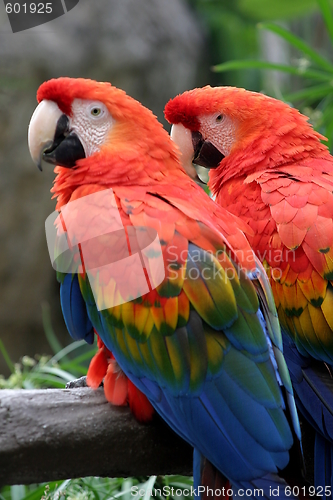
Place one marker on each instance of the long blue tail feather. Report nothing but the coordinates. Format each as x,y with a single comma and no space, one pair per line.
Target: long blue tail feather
313,384
323,461
267,487
313,387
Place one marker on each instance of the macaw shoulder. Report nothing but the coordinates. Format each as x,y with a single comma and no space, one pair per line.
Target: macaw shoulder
301,205
191,214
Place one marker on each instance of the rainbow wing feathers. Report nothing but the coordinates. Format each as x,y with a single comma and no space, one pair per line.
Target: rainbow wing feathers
198,347
291,215
301,279
292,220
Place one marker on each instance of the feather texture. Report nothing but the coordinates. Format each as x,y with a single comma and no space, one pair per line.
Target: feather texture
278,179
204,344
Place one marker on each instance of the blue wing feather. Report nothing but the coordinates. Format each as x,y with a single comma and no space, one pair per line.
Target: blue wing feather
74,310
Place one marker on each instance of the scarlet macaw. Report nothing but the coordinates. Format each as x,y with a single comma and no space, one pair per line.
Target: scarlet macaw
270,168
204,344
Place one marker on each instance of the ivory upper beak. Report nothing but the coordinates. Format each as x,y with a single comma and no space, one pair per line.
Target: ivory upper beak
183,138
42,129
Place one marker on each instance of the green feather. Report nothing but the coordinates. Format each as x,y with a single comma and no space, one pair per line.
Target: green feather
246,334
209,290
258,380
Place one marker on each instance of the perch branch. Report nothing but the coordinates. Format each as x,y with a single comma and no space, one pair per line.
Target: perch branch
55,434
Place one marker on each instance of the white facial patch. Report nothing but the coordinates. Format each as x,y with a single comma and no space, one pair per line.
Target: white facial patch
91,120
220,130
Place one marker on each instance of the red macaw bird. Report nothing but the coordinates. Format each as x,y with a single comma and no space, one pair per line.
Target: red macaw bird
203,341
270,168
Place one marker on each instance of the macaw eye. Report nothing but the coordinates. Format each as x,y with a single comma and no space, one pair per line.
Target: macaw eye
95,111
219,118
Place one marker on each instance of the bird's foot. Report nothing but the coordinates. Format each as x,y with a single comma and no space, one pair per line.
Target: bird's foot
78,382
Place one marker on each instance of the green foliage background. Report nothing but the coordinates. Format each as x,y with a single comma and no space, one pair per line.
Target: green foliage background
235,38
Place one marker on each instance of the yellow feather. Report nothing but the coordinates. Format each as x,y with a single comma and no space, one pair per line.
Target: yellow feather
149,325
327,308
323,331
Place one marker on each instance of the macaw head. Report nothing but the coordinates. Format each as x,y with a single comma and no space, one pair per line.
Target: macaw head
235,132
93,132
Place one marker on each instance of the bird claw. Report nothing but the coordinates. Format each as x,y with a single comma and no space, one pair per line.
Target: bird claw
78,382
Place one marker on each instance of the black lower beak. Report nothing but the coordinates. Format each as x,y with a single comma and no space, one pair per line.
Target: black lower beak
66,147
205,153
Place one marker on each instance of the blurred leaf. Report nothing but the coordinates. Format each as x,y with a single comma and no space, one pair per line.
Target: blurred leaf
61,488
299,44
326,10
17,492
58,372
40,380
49,332
126,493
276,9
149,486
310,94
36,494
63,352
299,71
6,357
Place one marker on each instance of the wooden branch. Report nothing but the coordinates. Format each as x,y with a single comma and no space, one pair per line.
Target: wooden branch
55,434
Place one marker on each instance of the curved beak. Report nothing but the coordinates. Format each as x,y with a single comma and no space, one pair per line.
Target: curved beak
195,152
51,139
205,153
